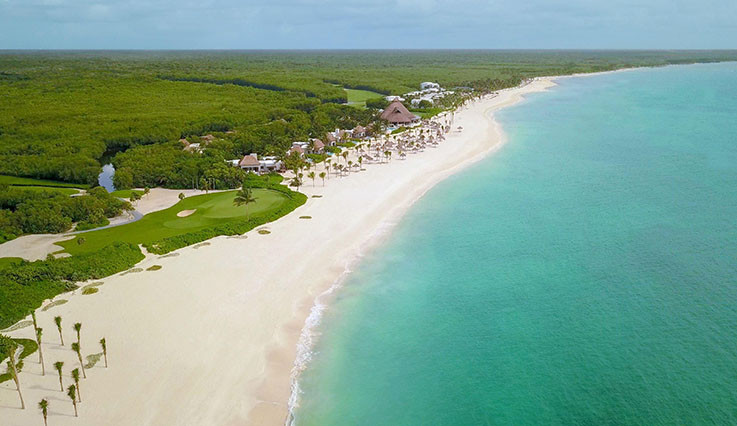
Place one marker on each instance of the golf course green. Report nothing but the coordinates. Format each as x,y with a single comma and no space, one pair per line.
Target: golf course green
209,209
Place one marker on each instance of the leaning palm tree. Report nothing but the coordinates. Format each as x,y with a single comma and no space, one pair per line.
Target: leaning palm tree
75,376
78,328
322,176
59,365
72,393
8,347
244,197
39,332
44,406
103,343
77,349
57,320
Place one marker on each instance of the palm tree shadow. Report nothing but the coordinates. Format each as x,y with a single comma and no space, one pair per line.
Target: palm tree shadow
39,387
61,414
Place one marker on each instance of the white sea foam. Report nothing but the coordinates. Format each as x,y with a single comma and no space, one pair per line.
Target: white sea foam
308,336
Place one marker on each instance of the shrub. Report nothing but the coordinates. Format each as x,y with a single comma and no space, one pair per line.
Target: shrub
24,287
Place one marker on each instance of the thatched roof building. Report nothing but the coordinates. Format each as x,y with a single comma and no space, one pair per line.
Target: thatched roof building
397,113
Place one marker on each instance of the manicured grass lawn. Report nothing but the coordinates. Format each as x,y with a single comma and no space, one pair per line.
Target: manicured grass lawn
211,209
125,193
21,181
358,97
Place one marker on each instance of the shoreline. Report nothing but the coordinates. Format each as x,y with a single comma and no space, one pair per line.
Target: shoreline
496,138
211,337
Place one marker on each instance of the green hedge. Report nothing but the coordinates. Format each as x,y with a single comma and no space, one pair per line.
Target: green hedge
166,245
24,287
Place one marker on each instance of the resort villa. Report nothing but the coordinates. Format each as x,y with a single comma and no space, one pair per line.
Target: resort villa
252,163
398,115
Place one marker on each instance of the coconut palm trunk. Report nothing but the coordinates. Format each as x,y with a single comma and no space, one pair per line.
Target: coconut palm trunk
39,332
75,376
44,406
78,329
77,349
57,320
103,343
8,346
59,365
72,394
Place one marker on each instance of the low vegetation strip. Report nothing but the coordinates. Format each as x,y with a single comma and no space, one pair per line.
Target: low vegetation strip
22,181
24,287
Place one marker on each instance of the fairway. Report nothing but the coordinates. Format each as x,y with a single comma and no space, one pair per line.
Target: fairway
358,97
22,181
210,209
54,189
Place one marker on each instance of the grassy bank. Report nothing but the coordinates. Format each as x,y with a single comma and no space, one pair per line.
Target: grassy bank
358,98
26,285
210,210
22,181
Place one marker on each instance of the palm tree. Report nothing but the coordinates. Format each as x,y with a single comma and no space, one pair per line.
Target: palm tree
77,349
344,154
72,393
244,197
360,161
311,175
75,376
39,332
350,164
58,365
103,343
8,347
78,328
44,406
322,176
57,320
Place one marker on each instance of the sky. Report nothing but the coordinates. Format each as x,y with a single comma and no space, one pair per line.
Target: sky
354,24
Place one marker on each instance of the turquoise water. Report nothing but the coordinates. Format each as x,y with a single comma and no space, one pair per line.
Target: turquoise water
585,274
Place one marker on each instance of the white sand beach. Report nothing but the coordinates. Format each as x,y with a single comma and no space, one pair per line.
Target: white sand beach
211,337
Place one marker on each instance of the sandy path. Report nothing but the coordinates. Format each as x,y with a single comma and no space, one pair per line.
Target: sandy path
211,337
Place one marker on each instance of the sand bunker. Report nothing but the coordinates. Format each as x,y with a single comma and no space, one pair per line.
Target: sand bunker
185,213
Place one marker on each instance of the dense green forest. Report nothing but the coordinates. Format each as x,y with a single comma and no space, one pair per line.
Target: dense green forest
64,113
37,210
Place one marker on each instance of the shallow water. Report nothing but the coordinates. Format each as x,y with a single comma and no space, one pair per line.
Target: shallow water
105,178
584,274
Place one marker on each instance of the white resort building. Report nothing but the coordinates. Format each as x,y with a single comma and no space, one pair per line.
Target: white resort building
252,163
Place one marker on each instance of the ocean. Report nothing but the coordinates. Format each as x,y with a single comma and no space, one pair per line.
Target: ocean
584,274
